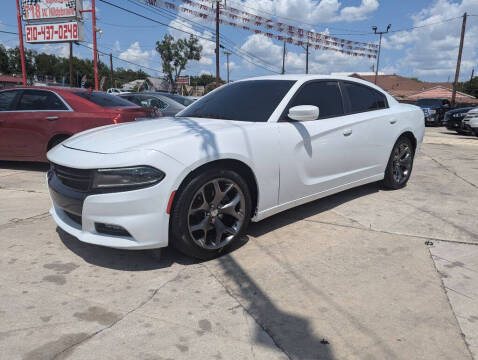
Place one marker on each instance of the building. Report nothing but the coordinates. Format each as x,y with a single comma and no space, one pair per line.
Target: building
148,84
8,81
410,90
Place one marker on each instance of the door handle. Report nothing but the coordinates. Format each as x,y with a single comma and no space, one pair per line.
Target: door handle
393,121
347,132
52,118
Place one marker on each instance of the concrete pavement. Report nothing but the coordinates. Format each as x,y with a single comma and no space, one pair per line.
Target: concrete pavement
346,277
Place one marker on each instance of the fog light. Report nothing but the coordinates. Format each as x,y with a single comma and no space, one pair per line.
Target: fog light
111,229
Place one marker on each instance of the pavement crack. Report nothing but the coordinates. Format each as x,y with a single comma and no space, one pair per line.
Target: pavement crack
421,237
14,222
143,303
449,170
246,310
444,288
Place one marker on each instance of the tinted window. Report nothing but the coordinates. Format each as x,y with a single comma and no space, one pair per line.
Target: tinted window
324,94
181,99
6,99
380,100
243,101
428,102
103,99
361,98
40,100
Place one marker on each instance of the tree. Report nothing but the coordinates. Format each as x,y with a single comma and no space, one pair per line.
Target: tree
176,54
4,64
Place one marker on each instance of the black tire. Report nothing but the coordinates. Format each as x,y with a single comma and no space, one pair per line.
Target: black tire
199,189
399,168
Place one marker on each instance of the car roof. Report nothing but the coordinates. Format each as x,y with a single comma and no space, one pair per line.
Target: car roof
307,77
49,88
160,95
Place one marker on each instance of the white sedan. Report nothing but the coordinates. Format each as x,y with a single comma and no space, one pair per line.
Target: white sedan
246,151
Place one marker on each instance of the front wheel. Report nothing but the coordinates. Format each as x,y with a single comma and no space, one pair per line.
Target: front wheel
400,164
210,214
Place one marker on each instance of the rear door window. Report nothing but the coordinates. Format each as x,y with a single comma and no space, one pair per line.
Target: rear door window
35,100
360,98
6,99
103,99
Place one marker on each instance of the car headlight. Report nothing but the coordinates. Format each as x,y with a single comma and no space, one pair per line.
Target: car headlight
433,112
459,115
127,178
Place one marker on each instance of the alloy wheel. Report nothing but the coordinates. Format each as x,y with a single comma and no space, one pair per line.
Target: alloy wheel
216,213
402,163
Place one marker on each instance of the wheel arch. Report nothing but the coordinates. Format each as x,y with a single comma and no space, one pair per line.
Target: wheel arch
411,137
239,166
57,137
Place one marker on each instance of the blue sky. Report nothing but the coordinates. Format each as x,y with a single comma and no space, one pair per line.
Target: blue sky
427,52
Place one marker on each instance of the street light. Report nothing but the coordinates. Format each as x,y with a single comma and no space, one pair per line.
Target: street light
374,28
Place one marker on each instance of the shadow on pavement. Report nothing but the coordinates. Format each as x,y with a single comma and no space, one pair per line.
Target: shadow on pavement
24,166
310,209
125,260
291,333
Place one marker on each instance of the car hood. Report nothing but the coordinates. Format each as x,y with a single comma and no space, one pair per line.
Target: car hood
151,134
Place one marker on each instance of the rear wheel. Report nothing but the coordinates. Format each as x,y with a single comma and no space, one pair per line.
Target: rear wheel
210,214
400,164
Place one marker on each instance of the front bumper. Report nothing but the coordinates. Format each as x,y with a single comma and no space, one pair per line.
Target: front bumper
141,213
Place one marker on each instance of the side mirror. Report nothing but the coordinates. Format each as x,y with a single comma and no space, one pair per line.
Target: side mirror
304,113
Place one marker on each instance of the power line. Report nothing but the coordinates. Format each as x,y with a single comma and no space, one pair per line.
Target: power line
202,37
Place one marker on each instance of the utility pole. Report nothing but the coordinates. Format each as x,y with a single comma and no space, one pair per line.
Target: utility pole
95,50
458,61
227,53
22,49
111,70
217,43
374,28
71,64
307,58
283,59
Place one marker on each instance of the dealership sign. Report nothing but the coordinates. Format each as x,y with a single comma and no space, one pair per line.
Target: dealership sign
51,9
42,33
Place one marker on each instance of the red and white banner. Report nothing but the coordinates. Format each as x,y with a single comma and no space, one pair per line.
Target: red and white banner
37,10
182,80
47,33
253,23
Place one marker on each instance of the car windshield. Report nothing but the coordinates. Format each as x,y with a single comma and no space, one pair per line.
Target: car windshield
429,102
104,100
180,99
252,101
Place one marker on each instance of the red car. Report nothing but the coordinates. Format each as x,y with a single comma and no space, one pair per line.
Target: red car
34,119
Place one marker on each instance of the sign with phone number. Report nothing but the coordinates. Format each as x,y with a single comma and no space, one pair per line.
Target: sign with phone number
46,33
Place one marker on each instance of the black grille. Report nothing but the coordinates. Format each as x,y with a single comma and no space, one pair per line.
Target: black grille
75,218
78,179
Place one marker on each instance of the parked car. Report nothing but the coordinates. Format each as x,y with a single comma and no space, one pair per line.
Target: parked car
471,121
116,91
196,180
454,120
34,119
167,106
436,109
183,100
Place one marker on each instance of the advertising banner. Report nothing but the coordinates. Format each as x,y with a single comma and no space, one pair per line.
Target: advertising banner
45,10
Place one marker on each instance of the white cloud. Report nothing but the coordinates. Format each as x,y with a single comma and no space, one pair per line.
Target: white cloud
310,11
430,52
320,61
61,50
117,46
136,55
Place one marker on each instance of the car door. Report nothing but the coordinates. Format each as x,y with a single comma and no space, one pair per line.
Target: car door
334,150
7,102
32,122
